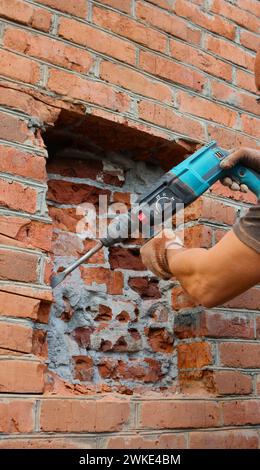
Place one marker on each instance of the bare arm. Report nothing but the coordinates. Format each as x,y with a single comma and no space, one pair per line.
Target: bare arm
211,277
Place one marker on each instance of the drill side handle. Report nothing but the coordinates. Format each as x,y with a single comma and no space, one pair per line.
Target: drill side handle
246,176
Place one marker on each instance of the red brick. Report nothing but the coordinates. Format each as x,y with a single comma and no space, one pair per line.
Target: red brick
202,60
40,346
83,368
15,337
168,23
133,30
215,23
230,52
166,4
108,414
78,8
241,412
145,287
169,119
17,162
210,209
250,125
160,340
232,383
66,192
48,50
19,68
231,439
65,218
17,196
250,5
245,80
16,416
134,81
123,5
52,442
15,129
87,90
173,414
198,236
224,191
239,16
207,110
157,441
194,355
249,299
26,14
125,258
112,280
27,233
229,95
249,40
18,266
147,370
239,354
176,73
21,376
230,325
18,306
97,40
230,139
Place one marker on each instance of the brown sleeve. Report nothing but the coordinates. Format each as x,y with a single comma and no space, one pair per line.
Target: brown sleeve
247,229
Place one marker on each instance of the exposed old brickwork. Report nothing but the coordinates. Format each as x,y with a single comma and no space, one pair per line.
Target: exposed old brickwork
134,86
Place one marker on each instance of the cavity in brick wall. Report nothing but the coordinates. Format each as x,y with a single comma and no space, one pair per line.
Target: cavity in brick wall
111,322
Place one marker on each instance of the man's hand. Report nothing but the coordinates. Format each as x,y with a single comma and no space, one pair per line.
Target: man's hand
249,157
154,252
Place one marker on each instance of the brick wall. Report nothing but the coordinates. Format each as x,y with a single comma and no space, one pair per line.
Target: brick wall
139,80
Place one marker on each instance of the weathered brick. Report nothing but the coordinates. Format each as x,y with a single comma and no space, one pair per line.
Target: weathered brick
40,346
213,23
87,90
201,60
176,73
238,354
125,258
111,280
210,209
249,40
16,416
194,355
250,125
241,412
18,265
230,325
134,81
231,439
207,109
66,192
230,52
21,376
157,441
78,8
180,299
145,287
123,5
230,139
17,196
225,93
18,306
15,337
166,4
25,13
173,414
22,232
19,68
160,340
249,299
165,117
17,162
232,383
168,23
239,16
83,368
15,129
221,190
130,29
52,442
48,50
97,40
245,80
105,415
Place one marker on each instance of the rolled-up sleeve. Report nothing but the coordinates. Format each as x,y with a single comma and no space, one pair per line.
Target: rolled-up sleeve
247,229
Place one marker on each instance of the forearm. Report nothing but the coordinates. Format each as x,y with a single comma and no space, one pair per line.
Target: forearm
213,276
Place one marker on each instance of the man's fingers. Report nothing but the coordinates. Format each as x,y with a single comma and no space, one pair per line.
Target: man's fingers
244,188
235,186
227,181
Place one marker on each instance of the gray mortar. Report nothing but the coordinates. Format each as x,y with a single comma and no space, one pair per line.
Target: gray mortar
84,301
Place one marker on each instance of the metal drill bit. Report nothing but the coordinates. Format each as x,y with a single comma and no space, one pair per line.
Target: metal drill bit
59,277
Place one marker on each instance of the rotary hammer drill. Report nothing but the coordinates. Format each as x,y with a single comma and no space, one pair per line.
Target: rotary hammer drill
182,185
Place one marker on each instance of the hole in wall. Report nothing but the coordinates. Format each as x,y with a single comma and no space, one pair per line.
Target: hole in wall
106,312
